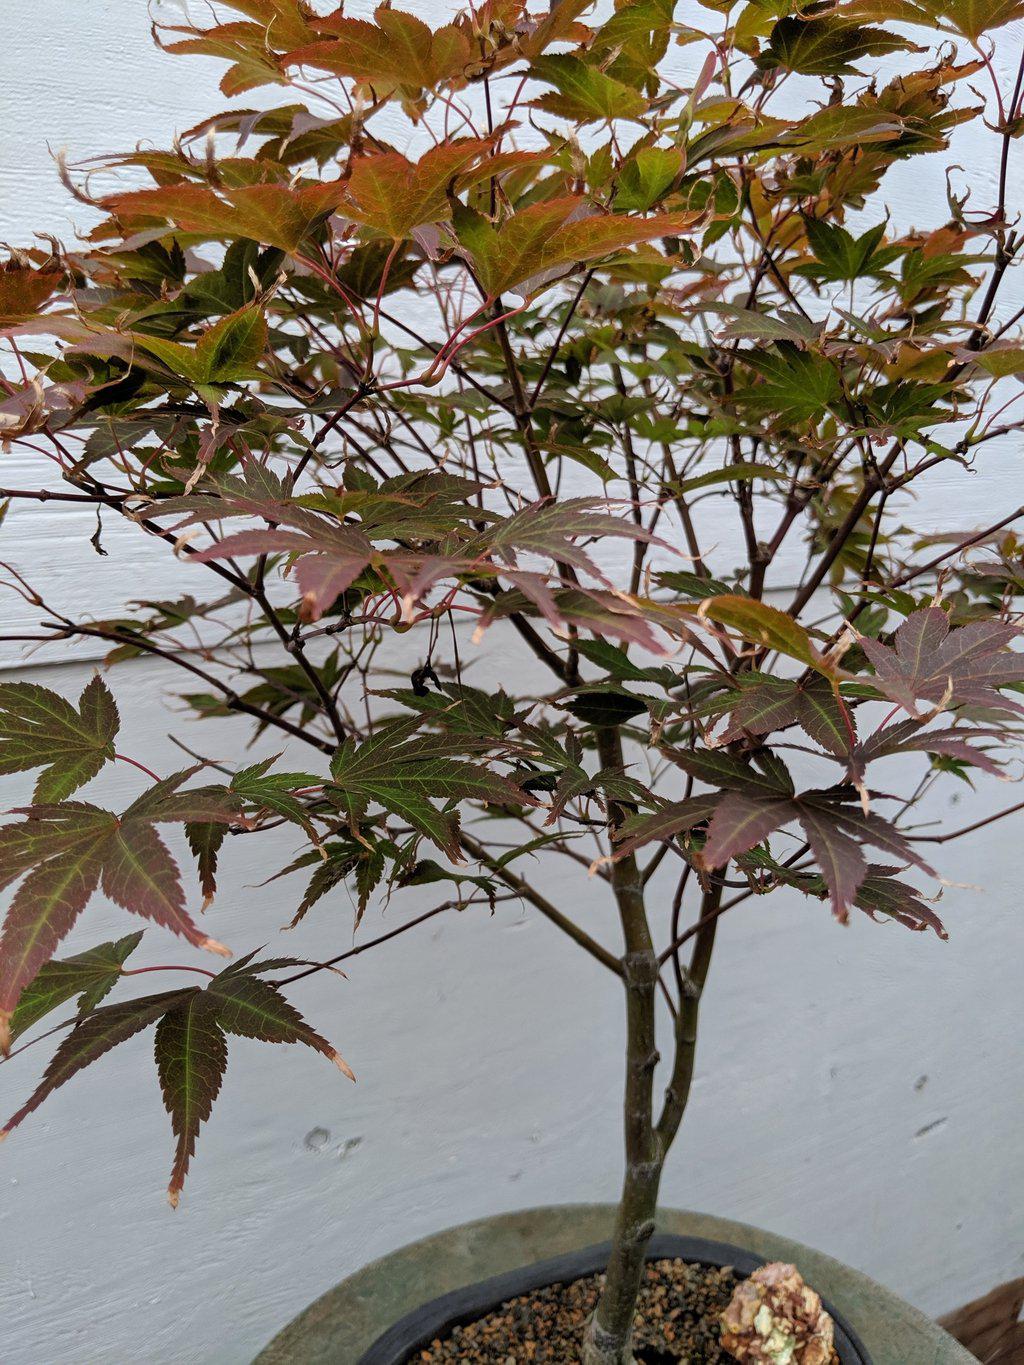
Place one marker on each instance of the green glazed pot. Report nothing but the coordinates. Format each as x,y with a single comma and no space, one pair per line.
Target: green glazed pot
339,1327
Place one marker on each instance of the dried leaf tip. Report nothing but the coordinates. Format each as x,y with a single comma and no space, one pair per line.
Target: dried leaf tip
212,946
5,1032
173,1196
341,1064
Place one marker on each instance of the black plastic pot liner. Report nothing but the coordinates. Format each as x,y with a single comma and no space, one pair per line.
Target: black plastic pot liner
437,1318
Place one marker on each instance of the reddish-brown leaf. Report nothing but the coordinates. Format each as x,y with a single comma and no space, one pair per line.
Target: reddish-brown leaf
140,874
392,195
42,913
929,662
277,215
23,291
256,1009
678,818
41,729
882,896
739,823
839,857
399,50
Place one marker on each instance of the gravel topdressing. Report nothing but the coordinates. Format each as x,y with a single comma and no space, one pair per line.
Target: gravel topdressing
677,1320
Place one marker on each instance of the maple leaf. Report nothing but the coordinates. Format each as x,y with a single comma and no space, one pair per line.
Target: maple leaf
738,824
253,791
63,852
826,46
459,707
647,177
327,556
559,24
257,786
404,774
677,817
244,45
794,386
550,529
833,830
753,802
393,196
398,51
191,1057
733,773
23,291
190,1038
277,215
881,894
604,613
40,729
228,351
90,975
946,668
252,48
333,863
909,736
328,559
575,782
91,1038
252,1008
972,18
530,248
840,256
839,857
765,626
767,702
583,91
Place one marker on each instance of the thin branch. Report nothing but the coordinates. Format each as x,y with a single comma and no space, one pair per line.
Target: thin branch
232,700
365,947
712,914
541,903
557,345
966,829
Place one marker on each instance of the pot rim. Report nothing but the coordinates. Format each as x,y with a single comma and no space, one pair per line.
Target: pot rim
438,1316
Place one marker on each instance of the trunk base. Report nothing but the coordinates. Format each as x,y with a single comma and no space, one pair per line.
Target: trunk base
604,1348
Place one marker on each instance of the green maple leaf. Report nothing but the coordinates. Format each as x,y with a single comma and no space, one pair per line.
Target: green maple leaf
101,1030
41,729
191,1057
826,46
190,1043
90,976
584,92
404,774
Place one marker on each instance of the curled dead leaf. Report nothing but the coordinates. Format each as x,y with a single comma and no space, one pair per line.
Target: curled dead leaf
775,1317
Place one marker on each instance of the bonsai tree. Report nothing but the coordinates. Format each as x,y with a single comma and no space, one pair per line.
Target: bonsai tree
592,333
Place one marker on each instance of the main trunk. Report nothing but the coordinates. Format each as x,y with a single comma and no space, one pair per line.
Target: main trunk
609,1334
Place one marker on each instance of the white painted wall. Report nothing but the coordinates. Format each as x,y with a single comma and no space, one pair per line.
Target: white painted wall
857,1089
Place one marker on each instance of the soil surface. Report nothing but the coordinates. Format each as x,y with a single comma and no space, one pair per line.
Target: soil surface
677,1321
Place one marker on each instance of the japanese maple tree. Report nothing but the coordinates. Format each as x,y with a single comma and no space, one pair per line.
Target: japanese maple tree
591,328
